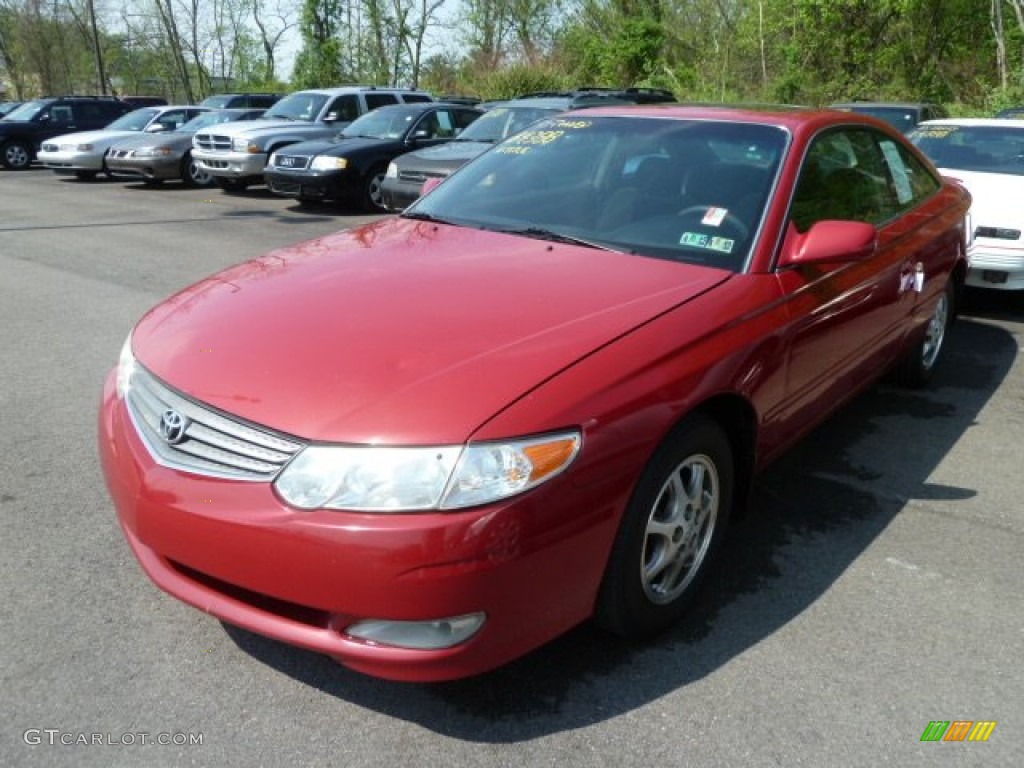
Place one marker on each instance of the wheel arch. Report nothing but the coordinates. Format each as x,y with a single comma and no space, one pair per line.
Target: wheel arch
738,419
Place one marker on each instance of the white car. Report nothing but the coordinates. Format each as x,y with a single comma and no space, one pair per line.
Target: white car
82,154
987,156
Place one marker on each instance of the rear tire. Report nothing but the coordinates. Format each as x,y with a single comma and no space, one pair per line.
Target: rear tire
916,369
670,531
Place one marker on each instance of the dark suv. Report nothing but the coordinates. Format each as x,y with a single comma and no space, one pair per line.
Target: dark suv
24,130
241,100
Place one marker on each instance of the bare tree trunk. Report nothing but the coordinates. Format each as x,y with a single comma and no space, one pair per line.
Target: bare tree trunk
1000,36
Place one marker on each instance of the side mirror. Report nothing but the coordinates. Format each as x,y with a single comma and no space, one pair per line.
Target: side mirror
156,128
420,135
331,117
830,242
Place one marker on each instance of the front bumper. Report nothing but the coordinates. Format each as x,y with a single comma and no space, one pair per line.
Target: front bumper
230,165
234,550
146,167
400,194
996,267
71,162
306,185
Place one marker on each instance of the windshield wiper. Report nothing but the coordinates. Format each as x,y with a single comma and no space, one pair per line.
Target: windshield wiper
419,216
557,237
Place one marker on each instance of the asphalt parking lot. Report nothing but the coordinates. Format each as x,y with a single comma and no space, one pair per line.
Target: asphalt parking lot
878,586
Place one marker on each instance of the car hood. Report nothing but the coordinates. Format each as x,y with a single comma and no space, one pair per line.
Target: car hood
174,139
261,127
995,197
401,332
99,138
444,156
333,147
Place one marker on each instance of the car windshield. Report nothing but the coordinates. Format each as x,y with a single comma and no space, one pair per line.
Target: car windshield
134,121
298,106
215,102
205,120
685,190
902,118
27,111
382,123
989,149
501,122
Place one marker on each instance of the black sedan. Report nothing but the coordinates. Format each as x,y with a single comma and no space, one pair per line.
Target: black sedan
350,167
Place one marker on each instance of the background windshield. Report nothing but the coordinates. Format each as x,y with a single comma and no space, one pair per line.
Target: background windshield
26,111
298,106
501,122
134,121
685,190
383,123
973,148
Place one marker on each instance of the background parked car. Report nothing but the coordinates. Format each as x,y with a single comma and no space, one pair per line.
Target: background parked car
902,115
83,154
350,167
235,155
23,130
156,158
407,173
144,101
1012,113
986,155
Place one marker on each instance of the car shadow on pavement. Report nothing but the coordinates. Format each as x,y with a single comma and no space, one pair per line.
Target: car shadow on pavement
814,513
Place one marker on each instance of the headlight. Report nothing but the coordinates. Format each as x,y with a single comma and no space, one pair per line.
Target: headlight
76,147
327,163
392,171
272,160
125,368
153,152
378,479
244,145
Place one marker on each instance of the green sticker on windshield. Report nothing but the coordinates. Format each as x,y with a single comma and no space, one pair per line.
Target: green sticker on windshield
935,131
707,242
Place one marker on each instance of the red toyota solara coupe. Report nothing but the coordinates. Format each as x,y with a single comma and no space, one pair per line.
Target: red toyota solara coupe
429,445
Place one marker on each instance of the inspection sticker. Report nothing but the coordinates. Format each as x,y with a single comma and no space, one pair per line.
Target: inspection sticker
708,243
714,216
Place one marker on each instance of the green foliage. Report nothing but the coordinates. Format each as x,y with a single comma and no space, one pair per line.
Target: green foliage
516,80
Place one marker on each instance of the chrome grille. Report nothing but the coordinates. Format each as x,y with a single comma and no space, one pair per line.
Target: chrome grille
292,162
420,176
998,233
209,443
212,141
119,153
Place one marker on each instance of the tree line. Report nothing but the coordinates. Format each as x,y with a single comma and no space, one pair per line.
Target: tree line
968,53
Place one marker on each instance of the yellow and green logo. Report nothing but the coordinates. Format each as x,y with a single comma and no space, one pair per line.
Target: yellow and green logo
958,730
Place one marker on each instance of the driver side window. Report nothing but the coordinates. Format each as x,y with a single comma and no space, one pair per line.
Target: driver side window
846,178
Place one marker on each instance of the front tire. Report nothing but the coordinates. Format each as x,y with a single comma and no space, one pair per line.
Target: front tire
192,175
231,185
670,531
373,191
16,156
916,369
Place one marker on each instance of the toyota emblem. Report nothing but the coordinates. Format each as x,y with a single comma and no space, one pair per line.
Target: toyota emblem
173,426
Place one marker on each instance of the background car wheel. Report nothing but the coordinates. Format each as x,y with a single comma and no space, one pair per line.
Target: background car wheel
16,156
670,531
192,175
231,185
916,369
373,192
